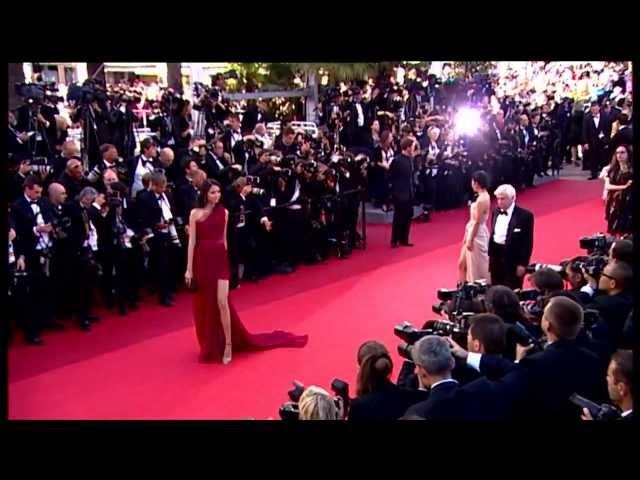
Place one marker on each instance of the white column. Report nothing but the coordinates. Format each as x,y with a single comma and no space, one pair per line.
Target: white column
28,72
81,72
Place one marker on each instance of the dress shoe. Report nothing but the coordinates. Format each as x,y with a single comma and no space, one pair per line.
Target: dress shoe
167,302
34,340
394,245
407,244
55,326
93,318
122,310
592,178
85,325
133,306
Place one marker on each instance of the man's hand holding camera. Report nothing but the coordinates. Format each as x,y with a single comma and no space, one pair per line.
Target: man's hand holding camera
456,350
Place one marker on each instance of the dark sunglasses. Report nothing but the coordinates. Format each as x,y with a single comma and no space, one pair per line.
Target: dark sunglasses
608,276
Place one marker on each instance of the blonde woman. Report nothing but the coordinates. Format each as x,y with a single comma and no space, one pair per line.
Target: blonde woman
316,404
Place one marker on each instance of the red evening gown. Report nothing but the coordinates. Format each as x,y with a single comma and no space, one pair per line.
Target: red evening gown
210,265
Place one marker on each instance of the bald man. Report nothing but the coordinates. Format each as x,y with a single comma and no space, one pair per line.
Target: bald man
70,148
168,166
61,261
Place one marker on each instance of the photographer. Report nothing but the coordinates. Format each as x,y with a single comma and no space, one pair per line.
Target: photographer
615,301
70,149
378,398
221,167
119,250
619,385
61,274
73,179
377,173
34,249
577,280
539,386
143,163
122,120
17,140
157,217
233,142
110,161
84,261
622,251
435,363
16,182
401,180
317,404
246,217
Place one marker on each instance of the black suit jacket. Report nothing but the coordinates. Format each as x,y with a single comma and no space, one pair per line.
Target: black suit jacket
591,133
24,220
437,406
519,242
401,178
540,385
149,210
622,137
614,310
388,403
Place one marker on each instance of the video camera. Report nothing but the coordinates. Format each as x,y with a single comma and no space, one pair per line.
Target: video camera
598,412
598,244
452,301
36,92
410,335
90,91
525,338
290,410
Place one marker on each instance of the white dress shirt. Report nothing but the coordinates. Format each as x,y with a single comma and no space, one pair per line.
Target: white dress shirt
626,412
502,225
360,115
443,381
596,120
144,166
43,237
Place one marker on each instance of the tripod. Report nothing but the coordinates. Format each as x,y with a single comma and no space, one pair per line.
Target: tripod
89,130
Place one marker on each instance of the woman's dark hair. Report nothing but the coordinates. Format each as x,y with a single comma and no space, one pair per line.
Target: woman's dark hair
204,191
375,367
481,178
503,302
614,166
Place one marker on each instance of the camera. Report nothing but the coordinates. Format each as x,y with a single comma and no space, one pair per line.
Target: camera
291,411
598,243
410,335
113,199
598,412
60,227
534,267
524,337
461,297
594,265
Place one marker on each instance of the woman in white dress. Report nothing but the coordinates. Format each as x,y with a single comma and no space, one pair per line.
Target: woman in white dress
474,256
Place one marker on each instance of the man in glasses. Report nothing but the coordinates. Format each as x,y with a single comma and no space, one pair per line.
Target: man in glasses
614,301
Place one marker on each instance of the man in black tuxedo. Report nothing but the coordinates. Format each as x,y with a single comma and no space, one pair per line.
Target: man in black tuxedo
511,240
246,217
434,361
33,249
73,179
157,216
142,164
596,136
359,121
624,135
16,181
17,141
233,142
110,161
619,384
527,139
84,259
401,180
539,385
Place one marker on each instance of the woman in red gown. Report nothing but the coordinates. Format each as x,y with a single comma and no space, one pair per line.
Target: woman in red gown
218,327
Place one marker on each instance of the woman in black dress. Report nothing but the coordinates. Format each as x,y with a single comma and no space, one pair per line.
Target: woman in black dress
618,185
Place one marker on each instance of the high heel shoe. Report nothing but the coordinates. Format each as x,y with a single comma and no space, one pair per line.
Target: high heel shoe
226,358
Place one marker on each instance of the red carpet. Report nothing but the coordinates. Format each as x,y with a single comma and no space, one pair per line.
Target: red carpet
144,366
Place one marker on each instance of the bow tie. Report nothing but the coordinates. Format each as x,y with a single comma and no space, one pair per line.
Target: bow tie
33,202
502,212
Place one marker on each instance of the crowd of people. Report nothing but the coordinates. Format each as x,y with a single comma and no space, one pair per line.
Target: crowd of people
568,359
95,218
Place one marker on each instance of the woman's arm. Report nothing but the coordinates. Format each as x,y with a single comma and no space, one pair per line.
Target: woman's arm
226,221
481,209
192,244
609,187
